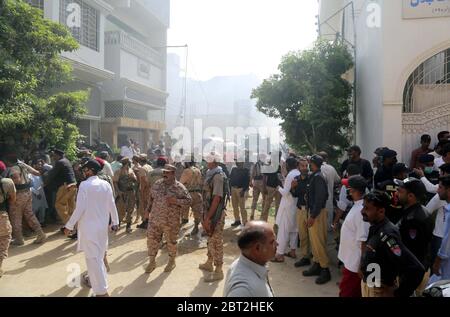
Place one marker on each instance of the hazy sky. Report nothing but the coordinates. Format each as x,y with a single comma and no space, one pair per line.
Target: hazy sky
232,37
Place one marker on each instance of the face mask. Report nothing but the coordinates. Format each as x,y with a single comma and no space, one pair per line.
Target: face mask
428,170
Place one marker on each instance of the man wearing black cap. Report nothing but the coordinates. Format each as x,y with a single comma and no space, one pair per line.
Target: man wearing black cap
62,178
385,259
317,196
415,224
354,234
384,173
390,186
354,157
95,208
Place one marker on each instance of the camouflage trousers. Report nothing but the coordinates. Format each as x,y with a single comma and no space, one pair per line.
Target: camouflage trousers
215,243
22,209
196,205
144,197
125,203
5,235
155,233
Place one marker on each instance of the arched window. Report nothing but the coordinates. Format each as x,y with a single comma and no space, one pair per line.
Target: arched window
429,85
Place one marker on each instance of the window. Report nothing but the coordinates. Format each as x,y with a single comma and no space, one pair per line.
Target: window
36,3
87,34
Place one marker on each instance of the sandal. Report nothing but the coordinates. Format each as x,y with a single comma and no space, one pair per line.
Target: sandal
289,255
86,280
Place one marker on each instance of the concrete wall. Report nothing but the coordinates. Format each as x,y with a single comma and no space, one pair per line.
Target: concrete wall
368,86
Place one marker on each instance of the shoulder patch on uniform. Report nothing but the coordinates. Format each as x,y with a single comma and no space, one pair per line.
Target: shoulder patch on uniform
394,246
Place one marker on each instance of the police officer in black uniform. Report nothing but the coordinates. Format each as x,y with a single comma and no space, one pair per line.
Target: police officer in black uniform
390,186
385,250
415,225
384,173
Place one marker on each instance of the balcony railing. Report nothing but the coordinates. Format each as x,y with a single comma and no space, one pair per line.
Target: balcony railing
133,45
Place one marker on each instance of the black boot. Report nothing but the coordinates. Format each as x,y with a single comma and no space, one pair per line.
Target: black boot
143,225
324,277
236,223
128,228
303,262
194,231
314,270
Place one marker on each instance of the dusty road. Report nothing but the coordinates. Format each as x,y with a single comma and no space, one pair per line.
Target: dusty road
43,270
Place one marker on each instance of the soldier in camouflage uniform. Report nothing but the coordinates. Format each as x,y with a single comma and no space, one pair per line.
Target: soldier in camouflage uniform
7,196
214,217
167,199
22,207
125,182
144,188
193,180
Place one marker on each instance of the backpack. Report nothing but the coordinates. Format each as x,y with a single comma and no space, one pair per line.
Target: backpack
126,183
24,175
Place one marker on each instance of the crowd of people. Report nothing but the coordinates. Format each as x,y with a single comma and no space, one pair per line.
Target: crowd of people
384,214
391,226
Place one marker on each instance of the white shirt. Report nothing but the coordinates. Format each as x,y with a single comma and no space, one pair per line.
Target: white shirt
438,162
95,205
331,177
437,204
247,279
353,232
287,212
126,151
430,187
343,202
107,169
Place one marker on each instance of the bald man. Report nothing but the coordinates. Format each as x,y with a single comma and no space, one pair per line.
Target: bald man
248,275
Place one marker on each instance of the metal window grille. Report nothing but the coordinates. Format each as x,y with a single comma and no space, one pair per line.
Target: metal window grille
434,72
88,34
120,110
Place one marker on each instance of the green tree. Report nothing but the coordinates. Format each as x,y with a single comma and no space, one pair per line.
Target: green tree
311,98
33,112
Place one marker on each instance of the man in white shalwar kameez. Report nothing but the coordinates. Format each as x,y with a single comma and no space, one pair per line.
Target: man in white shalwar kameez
287,215
94,208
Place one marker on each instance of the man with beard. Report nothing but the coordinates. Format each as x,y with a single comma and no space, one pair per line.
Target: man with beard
168,198
384,173
415,224
385,252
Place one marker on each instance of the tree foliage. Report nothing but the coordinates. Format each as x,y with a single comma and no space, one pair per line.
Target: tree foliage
311,98
33,112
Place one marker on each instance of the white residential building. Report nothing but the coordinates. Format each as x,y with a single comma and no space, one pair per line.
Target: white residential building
402,68
122,60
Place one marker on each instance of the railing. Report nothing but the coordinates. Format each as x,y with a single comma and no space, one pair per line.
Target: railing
133,45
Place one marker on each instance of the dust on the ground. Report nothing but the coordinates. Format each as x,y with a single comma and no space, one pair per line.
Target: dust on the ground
54,268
